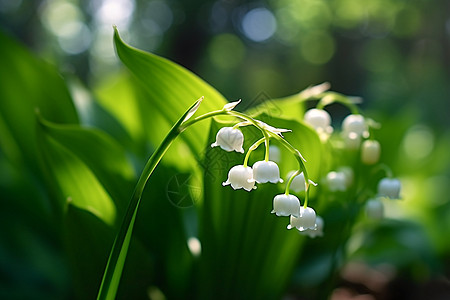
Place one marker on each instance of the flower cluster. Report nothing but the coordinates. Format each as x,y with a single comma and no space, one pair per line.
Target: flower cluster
246,177
355,140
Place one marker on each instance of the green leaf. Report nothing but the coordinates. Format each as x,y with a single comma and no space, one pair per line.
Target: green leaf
169,89
117,257
104,157
74,181
26,85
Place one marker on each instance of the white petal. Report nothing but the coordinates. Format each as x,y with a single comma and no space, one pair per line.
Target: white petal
231,106
193,109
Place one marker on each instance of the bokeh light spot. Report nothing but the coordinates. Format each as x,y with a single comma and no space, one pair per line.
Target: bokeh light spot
418,142
259,24
317,47
226,51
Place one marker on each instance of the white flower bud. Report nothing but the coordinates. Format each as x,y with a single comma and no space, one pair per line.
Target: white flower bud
229,139
266,171
389,188
375,209
318,231
298,183
336,181
307,220
286,205
370,152
357,124
240,177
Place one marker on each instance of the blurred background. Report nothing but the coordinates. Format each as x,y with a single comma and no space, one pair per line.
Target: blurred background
395,54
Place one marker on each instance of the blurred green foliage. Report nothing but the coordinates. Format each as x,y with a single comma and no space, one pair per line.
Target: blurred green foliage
97,125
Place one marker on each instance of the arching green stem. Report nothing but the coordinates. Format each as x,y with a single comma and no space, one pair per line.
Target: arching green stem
250,150
332,97
288,184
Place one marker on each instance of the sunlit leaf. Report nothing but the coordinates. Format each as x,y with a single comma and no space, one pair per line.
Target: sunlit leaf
74,181
169,89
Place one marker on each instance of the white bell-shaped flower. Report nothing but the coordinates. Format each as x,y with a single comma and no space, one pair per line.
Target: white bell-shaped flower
286,205
336,181
298,183
370,152
318,231
266,171
307,219
355,123
229,139
352,140
320,120
240,177
375,209
389,188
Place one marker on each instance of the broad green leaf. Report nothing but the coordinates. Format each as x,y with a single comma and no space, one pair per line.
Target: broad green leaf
73,180
102,155
26,85
169,89
117,257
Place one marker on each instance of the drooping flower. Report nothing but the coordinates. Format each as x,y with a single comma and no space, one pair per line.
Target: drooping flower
298,183
320,120
240,177
307,219
336,181
229,139
370,152
389,188
318,231
355,123
266,171
352,140
286,205
374,209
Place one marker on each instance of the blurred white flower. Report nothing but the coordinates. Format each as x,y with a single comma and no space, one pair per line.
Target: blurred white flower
320,120
389,188
374,209
298,183
274,153
266,171
357,124
318,231
336,181
352,140
370,152
286,205
229,139
240,177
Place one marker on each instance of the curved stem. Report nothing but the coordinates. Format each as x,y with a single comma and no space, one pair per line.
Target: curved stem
117,257
250,150
288,184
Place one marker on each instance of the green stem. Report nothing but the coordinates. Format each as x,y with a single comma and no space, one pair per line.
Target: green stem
250,150
117,257
300,160
288,184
